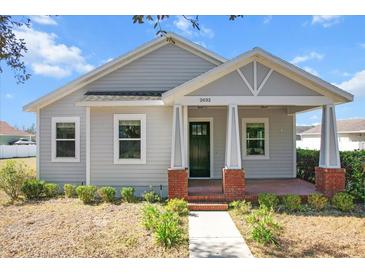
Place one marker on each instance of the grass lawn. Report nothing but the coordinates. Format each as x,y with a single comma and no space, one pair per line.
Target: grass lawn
326,234
67,228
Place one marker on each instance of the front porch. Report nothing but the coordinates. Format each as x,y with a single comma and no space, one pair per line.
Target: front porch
214,187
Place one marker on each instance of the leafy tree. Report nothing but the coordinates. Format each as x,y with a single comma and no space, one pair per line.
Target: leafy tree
12,48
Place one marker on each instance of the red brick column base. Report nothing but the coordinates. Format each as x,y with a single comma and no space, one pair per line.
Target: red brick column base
233,184
178,183
330,180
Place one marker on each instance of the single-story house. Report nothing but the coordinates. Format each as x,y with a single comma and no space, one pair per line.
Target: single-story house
351,135
172,111
9,134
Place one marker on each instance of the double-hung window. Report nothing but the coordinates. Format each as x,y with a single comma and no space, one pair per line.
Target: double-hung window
129,138
65,139
255,143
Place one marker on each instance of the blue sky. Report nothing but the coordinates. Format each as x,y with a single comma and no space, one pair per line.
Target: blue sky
64,47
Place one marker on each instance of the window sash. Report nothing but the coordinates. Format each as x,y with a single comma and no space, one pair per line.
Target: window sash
248,142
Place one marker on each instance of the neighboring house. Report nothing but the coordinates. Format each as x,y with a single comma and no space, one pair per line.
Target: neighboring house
9,134
351,135
169,111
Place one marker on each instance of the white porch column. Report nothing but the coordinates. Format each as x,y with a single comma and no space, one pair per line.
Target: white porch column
178,141
329,156
233,147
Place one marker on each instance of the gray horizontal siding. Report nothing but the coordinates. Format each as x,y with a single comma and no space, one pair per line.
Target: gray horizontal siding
162,69
54,171
158,134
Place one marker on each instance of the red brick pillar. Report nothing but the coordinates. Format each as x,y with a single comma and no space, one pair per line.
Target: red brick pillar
330,180
234,184
178,183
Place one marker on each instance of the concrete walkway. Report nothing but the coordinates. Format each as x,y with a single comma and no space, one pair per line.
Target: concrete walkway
212,234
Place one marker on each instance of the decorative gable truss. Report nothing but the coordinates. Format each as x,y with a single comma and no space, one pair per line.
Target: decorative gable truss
255,86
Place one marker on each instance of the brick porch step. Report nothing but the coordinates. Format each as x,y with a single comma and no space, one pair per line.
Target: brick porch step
208,206
219,197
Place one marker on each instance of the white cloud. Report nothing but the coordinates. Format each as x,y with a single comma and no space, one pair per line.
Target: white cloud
50,70
326,20
43,20
48,57
311,70
356,84
185,28
313,55
9,96
267,19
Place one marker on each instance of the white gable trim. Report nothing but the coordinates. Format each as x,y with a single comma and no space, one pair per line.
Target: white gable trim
120,62
302,77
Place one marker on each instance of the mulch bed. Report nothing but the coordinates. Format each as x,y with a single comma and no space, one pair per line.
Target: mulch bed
67,228
314,235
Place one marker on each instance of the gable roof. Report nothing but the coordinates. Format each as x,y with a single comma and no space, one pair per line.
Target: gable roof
301,129
289,70
8,130
122,61
343,126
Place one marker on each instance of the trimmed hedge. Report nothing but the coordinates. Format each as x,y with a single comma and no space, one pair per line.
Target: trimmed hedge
352,161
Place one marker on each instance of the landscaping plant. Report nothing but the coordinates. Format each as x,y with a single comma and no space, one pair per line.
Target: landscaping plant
107,194
87,194
127,194
151,197
268,200
168,231
241,207
178,206
292,202
33,189
12,176
343,201
317,201
70,190
51,190
264,229
151,216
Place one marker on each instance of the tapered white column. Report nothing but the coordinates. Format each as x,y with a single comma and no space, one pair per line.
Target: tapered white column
178,143
329,156
233,147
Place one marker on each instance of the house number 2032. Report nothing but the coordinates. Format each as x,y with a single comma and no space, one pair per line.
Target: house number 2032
205,100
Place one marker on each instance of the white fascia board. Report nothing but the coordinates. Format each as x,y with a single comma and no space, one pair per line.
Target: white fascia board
120,62
134,103
254,100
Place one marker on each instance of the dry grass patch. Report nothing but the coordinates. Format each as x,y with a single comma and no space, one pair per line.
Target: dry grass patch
67,228
326,234
30,162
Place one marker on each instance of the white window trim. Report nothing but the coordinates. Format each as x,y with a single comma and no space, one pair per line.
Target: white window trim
117,118
75,120
267,139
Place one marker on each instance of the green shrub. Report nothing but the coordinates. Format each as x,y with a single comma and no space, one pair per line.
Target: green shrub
128,194
268,200
317,201
12,176
292,202
151,197
178,206
343,201
33,189
151,215
168,231
51,190
70,190
87,194
242,207
107,194
264,229
352,161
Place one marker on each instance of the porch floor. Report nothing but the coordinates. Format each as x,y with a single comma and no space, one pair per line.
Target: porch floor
254,186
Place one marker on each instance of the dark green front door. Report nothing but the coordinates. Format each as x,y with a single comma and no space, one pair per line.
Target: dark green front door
199,152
